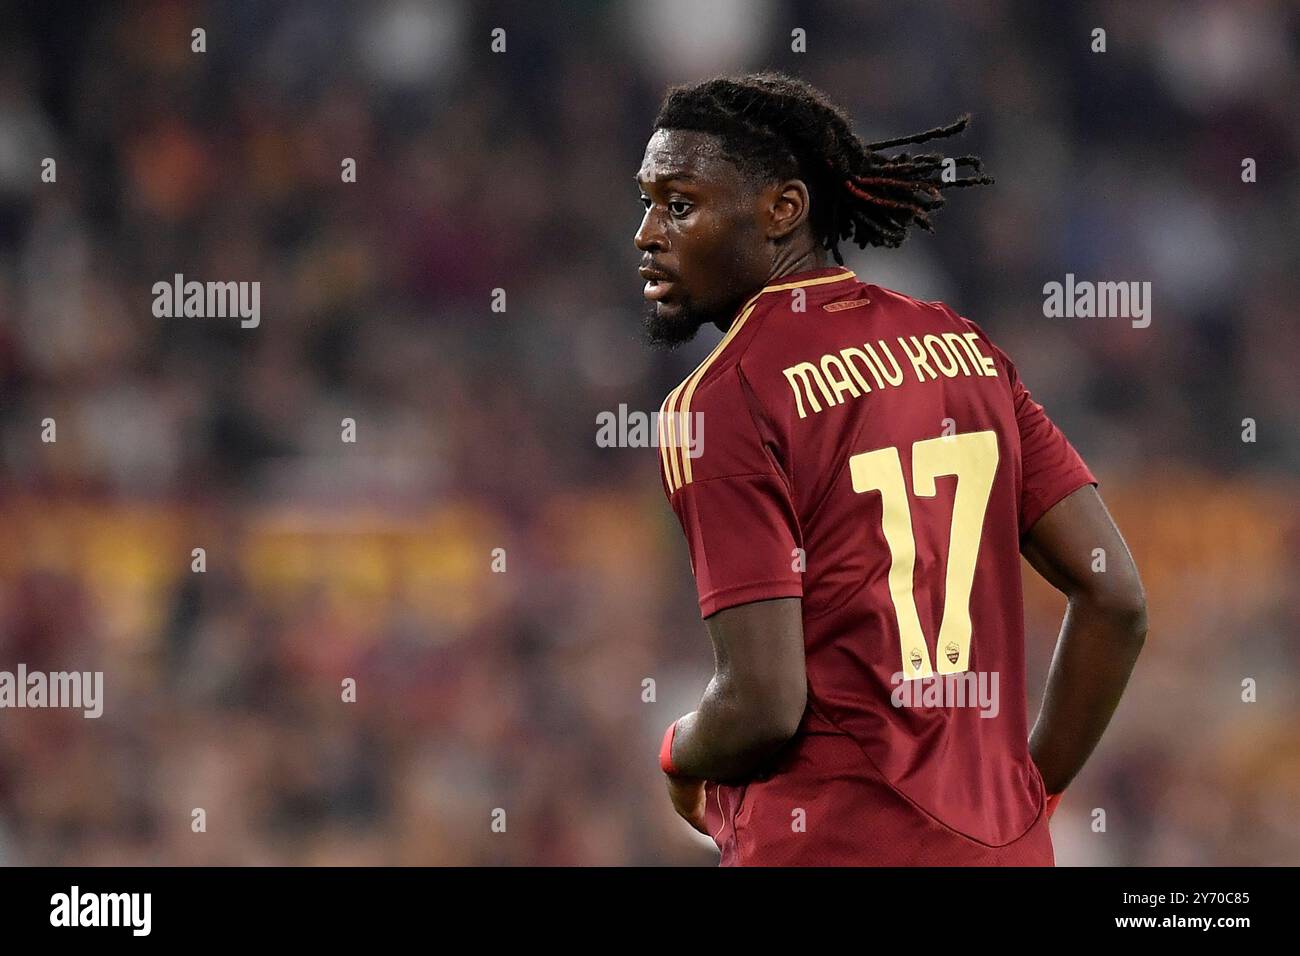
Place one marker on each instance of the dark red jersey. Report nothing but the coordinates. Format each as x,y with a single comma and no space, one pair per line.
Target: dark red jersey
878,457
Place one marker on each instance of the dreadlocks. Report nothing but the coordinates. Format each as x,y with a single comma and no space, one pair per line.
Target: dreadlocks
774,126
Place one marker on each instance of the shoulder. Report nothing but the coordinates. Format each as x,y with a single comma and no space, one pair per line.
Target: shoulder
927,311
707,430
716,384
976,341
707,427
940,310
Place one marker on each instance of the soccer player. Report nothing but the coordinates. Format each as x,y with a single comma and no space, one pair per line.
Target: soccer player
857,474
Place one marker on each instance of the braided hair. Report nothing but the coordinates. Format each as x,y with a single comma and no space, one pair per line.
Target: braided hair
773,126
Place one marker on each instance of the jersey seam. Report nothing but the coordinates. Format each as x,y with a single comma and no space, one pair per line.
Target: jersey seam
751,400
745,474
1045,503
741,588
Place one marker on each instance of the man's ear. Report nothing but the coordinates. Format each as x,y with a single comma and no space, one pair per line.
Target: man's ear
788,206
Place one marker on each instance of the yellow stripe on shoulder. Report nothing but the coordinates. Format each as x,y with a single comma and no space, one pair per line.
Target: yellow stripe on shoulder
667,455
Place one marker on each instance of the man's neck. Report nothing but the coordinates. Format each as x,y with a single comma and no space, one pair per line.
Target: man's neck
814,258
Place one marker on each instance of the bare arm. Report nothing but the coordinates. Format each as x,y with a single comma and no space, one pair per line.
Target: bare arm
756,699
1103,632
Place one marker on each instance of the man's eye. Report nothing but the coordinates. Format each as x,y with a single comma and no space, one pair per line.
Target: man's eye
672,207
645,201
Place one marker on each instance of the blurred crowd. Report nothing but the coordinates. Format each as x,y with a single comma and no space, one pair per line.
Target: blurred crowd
512,602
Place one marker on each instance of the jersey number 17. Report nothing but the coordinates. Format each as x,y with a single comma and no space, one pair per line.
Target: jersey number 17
973,458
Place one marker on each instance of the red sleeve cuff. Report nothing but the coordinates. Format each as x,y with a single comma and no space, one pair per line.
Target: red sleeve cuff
666,751
723,598
1036,507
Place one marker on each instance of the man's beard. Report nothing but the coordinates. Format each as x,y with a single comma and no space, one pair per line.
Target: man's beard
667,333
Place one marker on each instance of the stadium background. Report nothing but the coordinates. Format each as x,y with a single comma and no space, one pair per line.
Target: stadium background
476,429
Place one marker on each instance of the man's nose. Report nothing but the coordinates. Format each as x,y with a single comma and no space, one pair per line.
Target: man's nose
650,237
